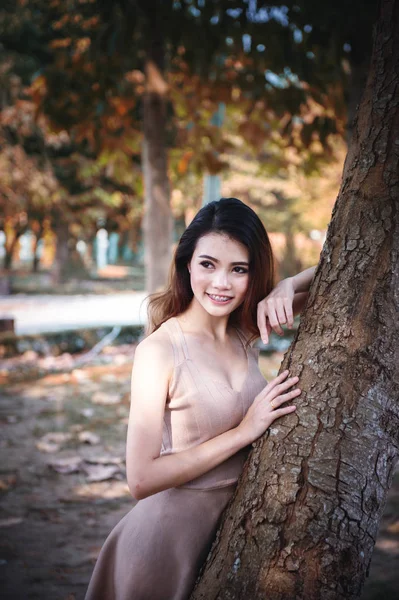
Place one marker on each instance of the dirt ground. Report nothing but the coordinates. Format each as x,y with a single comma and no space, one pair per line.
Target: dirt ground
62,479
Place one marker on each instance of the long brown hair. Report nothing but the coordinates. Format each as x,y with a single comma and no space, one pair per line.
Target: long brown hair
231,217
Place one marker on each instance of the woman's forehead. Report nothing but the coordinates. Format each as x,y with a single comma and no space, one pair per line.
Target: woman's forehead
219,245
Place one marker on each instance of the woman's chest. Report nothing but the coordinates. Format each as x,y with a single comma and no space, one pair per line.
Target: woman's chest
199,403
227,366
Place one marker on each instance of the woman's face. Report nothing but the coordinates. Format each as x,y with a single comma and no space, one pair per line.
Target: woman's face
219,273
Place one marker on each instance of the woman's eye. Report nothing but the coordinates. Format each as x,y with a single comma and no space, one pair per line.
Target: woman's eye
206,264
240,270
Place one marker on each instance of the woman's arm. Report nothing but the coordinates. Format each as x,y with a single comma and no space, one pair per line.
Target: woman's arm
299,303
149,473
301,282
284,301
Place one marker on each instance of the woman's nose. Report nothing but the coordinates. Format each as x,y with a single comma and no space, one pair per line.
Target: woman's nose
222,280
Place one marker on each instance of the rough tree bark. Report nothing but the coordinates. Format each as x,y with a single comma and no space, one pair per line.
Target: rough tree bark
157,224
303,522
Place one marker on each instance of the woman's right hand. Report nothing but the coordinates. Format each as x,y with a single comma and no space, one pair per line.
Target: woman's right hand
265,408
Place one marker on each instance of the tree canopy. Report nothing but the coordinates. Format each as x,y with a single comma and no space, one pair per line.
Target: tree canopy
75,75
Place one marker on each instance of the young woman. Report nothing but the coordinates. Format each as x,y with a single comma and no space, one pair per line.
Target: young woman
198,402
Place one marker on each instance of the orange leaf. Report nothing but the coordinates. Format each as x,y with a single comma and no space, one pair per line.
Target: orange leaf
184,161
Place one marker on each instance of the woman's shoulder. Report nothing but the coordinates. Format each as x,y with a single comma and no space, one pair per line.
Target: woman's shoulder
156,346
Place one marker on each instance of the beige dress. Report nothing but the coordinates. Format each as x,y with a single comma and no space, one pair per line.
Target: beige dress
155,552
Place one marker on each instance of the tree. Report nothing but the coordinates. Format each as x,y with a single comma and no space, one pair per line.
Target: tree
125,63
49,177
304,518
158,224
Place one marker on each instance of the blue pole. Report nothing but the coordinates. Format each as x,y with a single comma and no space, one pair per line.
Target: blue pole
212,183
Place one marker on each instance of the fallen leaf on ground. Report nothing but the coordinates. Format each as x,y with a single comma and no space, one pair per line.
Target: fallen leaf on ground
58,437
87,412
104,398
100,472
49,447
66,465
387,545
76,428
88,437
30,355
10,521
52,441
8,482
103,489
79,375
120,359
393,527
110,377
105,460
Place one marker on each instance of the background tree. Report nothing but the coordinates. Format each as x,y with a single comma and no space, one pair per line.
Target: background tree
52,178
305,515
109,71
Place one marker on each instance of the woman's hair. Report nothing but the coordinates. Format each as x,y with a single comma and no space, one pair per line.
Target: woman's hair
232,218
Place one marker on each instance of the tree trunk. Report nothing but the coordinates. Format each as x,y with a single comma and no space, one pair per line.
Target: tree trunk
357,81
7,324
304,519
157,224
290,263
36,258
10,248
59,267
9,253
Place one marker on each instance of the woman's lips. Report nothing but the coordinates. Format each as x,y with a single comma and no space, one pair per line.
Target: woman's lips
219,298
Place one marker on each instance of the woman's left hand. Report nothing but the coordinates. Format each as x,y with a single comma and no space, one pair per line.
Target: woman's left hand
276,309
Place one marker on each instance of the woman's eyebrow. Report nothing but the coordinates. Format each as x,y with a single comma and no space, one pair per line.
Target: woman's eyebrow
239,262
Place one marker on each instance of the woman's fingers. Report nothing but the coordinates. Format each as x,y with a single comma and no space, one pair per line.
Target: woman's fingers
280,310
262,325
273,317
281,386
272,313
279,400
285,312
289,313
280,412
273,383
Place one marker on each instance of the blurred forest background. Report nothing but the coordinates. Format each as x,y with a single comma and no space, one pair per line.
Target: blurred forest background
256,101
118,120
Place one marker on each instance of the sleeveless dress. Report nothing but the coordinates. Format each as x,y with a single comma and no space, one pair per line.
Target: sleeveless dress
156,551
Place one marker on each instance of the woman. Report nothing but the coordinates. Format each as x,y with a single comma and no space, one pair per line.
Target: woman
198,402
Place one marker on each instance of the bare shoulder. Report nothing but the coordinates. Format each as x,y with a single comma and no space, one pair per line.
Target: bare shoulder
156,348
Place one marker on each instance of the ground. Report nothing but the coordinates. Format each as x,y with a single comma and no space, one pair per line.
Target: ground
62,482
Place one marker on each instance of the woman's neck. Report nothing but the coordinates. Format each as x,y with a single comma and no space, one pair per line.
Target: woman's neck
197,320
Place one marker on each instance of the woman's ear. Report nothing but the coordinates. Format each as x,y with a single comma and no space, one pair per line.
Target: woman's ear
189,268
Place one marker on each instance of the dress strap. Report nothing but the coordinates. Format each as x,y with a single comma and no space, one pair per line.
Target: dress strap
242,338
178,340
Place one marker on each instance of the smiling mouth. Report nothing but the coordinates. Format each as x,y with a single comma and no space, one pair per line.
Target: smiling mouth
220,299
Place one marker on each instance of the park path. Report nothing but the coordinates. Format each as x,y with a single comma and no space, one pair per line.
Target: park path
46,313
